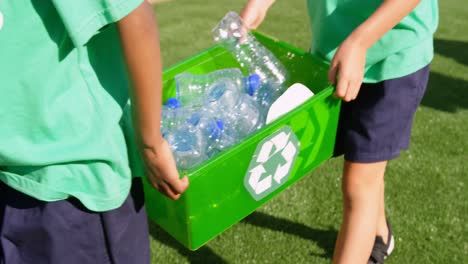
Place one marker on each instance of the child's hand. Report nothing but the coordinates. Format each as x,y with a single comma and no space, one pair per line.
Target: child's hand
161,170
254,12
347,69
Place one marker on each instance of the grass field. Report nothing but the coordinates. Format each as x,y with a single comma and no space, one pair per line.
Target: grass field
426,192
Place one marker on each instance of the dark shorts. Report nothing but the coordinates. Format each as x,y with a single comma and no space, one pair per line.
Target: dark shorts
377,125
37,232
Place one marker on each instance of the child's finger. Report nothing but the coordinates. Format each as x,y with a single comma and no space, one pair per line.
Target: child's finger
178,185
155,185
342,88
167,190
163,189
244,32
357,88
160,185
352,91
332,73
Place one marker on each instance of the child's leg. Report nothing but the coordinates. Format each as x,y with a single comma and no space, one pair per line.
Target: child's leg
372,129
382,228
362,190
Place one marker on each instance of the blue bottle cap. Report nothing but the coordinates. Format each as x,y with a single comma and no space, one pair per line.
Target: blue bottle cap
173,103
216,128
220,124
253,82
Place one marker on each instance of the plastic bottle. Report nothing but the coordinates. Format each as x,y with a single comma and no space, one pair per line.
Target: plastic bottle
187,146
238,110
265,95
192,88
251,55
194,135
211,131
171,115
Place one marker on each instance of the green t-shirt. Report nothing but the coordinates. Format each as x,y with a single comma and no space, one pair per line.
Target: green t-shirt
63,88
403,50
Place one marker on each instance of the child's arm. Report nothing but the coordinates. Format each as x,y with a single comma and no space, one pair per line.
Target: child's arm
350,58
349,61
140,44
254,12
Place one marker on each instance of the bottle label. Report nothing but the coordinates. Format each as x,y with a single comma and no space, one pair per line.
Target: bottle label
272,163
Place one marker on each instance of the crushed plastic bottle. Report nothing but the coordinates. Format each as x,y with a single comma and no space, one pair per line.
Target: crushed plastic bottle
237,109
171,116
232,33
187,146
193,134
211,131
192,88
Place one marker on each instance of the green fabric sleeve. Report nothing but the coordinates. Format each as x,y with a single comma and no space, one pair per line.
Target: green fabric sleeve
84,18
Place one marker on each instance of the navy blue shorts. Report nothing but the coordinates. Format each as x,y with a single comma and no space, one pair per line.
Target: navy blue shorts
37,232
377,125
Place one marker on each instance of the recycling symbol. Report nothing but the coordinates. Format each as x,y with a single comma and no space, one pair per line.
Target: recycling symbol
271,163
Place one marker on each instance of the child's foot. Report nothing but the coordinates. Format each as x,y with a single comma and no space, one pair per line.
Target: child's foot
381,251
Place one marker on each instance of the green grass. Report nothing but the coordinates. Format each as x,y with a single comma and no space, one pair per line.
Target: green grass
426,192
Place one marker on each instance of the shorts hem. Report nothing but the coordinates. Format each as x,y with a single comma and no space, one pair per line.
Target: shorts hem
371,157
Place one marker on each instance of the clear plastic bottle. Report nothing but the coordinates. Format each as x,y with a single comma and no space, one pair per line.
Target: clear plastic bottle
171,116
211,130
237,109
192,88
193,134
187,146
232,33
265,96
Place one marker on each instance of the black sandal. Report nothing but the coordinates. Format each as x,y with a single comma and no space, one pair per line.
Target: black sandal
381,251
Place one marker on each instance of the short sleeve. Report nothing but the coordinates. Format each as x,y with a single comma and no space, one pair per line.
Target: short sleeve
84,18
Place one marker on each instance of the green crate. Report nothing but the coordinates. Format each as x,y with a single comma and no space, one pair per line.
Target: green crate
230,186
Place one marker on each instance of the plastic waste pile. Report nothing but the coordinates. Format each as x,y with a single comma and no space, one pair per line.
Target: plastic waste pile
214,111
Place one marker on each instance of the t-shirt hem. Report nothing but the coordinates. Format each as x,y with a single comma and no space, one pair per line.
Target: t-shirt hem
111,14
407,66
404,71
43,193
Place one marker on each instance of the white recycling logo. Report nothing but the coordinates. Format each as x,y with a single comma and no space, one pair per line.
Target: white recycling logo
271,163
